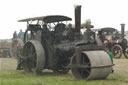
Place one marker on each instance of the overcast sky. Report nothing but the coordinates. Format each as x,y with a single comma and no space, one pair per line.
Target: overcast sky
103,13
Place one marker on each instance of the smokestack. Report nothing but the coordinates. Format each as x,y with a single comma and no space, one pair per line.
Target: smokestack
77,18
123,30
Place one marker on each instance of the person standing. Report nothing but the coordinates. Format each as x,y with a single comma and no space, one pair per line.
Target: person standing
15,35
21,35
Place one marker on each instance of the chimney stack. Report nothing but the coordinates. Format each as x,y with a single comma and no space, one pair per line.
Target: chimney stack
77,18
123,30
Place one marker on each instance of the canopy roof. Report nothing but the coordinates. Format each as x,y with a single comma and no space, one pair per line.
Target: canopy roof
48,19
108,29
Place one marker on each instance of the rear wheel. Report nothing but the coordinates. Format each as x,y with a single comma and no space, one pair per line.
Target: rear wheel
34,57
126,53
117,51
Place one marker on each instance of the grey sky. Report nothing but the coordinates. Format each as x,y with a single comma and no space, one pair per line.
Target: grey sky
103,13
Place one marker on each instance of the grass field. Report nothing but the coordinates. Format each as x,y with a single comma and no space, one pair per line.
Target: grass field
10,76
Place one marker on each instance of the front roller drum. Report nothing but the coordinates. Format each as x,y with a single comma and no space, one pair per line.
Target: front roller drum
93,65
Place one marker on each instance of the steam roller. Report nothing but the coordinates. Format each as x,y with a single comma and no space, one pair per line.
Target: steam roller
62,49
93,65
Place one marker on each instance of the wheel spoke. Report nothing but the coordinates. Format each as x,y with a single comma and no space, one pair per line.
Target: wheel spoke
31,57
82,73
87,70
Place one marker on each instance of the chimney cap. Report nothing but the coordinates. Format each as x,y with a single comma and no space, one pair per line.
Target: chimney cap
77,6
122,24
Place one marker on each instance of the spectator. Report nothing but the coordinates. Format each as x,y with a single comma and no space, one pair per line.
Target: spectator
21,35
15,35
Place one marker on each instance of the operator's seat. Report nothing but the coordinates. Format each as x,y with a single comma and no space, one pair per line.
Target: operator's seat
60,28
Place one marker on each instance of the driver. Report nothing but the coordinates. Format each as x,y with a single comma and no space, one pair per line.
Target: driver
88,24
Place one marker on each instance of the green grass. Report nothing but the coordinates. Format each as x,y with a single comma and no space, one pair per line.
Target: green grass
10,76
49,78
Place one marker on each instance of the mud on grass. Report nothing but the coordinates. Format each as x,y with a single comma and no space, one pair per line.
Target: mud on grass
9,76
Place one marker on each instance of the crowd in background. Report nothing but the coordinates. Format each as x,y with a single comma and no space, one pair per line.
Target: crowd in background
20,35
